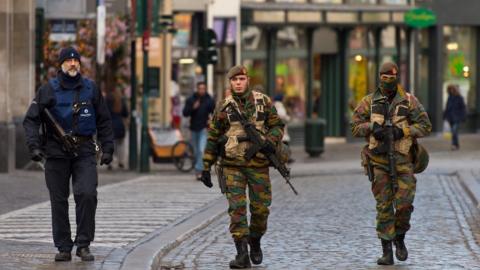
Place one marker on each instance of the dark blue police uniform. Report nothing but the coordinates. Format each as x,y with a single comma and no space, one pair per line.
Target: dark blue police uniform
79,108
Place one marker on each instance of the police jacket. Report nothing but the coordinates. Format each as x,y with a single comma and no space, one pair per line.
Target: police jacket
91,118
199,116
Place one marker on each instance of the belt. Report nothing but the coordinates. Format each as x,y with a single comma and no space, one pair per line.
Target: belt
82,139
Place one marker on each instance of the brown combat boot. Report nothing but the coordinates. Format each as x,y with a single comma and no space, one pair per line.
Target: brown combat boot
256,254
242,260
401,251
387,258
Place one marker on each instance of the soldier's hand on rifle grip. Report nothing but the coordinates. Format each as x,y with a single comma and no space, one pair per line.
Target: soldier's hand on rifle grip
206,179
37,155
268,148
106,159
378,131
397,133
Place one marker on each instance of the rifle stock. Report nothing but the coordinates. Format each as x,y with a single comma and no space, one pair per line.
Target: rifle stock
69,143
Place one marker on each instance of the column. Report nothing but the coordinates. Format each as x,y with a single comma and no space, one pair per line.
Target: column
271,38
435,77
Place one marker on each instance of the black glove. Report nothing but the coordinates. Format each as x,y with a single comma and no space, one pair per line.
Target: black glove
397,133
206,179
106,159
378,131
37,155
268,148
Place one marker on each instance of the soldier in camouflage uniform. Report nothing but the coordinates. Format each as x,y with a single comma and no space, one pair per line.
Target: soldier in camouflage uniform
394,197
239,172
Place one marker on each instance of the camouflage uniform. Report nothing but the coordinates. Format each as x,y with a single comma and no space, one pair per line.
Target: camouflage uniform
393,210
239,172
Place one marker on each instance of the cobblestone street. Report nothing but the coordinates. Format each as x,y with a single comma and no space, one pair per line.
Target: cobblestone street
331,226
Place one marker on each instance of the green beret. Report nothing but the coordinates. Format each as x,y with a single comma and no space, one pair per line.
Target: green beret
237,70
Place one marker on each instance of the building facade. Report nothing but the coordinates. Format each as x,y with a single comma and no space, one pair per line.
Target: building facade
17,78
324,55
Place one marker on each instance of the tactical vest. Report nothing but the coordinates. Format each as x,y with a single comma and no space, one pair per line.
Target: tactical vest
399,119
74,109
237,144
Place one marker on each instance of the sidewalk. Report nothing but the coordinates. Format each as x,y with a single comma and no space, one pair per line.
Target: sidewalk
140,219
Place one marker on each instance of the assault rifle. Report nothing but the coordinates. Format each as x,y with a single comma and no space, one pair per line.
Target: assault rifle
258,143
389,144
69,142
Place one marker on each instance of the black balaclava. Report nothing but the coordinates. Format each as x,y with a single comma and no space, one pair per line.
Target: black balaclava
389,85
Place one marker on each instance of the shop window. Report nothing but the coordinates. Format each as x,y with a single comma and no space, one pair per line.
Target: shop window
253,38
394,2
256,70
291,1
362,2
291,38
182,22
460,62
327,1
290,82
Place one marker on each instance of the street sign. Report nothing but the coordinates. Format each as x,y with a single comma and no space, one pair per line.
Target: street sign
420,18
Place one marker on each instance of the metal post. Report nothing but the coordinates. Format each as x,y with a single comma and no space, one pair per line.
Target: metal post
133,149
309,100
343,35
164,77
435,78
398,41
145,146
477,84
271,60
377,36
408,72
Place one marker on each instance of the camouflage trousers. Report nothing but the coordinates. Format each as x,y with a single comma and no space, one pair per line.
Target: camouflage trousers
394,210
259,194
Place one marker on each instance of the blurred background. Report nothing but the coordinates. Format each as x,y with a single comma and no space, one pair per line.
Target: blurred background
322,55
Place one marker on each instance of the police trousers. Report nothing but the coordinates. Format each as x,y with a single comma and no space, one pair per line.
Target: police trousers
83,172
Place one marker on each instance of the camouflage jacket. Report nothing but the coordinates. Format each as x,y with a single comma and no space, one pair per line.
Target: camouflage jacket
418,123
220,124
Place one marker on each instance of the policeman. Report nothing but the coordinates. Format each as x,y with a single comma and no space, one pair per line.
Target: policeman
78,106
239,172
394,197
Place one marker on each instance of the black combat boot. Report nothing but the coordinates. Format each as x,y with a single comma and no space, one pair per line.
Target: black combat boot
256,254
242,260
63,256
401,251
84,254
387,258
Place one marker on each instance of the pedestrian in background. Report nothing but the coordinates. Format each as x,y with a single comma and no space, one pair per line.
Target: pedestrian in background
199,107
283,114
119,112
240,173
455,113
393,195
78,106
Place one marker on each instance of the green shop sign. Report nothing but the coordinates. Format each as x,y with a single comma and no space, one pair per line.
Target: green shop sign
420,18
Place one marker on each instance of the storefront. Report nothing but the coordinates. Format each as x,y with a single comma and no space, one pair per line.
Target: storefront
322,57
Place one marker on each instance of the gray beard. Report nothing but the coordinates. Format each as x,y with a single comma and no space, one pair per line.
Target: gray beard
70,72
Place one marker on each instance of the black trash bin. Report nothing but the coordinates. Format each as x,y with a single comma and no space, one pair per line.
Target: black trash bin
315,136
